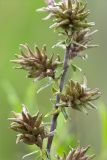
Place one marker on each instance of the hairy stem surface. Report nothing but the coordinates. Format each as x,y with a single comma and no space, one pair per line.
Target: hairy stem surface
54,118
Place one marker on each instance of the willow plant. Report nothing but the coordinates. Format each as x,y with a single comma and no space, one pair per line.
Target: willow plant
69,19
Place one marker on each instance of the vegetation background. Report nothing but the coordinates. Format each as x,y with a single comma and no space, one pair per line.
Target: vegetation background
19,23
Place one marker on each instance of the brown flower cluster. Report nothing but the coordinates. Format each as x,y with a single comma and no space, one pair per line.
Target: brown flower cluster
80,41
31,128
69,15
37,63
78,96
77,154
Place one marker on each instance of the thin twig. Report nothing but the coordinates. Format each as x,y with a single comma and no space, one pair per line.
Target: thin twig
54,118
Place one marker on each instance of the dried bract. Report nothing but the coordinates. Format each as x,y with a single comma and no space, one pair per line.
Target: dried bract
31,128
70,15
78,96
37,63
80,41
77,154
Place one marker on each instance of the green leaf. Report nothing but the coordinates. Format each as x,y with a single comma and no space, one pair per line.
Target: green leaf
75,68
30,154
44,87
60,44
64,113
54,90
45,155
55,86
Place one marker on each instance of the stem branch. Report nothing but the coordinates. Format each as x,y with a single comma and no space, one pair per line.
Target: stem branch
54,118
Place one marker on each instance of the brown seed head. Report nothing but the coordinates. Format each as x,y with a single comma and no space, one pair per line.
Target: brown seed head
31,128
37,63
78,96
77,154
80,41
70,15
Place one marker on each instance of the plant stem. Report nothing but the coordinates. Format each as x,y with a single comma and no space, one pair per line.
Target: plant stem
54,118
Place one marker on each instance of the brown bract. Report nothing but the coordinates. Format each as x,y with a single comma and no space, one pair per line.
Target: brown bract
69,15
78,96
31,128
37,62
80,41
77,154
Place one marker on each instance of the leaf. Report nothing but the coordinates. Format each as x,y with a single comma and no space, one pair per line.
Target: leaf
54,90
64,113
60,44
44,87
68,42
55,86
53,112
45,155
29,154
47,115
75,68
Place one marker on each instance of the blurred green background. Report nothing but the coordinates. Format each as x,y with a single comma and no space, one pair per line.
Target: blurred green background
19,23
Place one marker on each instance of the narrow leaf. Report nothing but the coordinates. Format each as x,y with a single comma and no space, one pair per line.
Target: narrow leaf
75,68
44,87
64,113
30,154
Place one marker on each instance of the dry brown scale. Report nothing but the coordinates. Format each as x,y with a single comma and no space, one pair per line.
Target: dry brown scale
77,154
31,128
37,62
71,17
78,96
